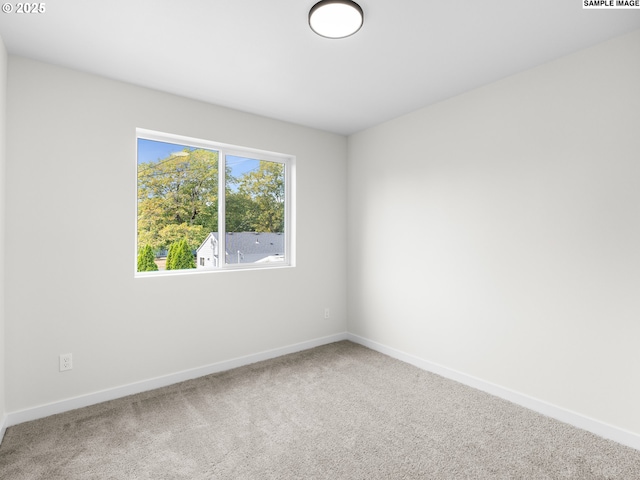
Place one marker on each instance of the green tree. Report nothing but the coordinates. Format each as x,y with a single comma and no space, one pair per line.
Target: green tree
181,189
146,260
193,234
180,256
265,189
241,212
170,254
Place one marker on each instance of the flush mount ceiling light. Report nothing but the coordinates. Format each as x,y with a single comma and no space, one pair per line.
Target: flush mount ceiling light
336,18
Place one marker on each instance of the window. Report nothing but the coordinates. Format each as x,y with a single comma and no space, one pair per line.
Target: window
205,206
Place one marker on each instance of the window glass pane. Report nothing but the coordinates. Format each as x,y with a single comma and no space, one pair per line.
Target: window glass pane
254,211
180,200
177,204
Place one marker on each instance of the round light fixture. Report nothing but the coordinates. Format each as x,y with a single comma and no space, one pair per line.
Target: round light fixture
336,18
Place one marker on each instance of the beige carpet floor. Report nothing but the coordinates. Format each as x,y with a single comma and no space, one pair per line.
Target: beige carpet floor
339,411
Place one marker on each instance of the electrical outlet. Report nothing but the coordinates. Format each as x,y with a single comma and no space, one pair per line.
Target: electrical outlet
66,362
327,312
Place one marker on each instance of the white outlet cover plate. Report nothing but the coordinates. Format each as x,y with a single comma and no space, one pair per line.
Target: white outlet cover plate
66,362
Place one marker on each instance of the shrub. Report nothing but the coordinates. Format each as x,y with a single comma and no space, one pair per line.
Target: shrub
146,260
180,256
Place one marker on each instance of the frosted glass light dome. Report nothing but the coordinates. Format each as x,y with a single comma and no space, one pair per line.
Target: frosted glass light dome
336,18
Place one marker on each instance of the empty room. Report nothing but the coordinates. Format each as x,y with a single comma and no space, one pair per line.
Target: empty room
320,239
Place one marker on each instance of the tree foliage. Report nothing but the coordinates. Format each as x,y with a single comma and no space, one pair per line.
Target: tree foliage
181,190
180,256
146,260
193,234
263,189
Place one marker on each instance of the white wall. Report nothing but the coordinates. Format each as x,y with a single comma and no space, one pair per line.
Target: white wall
71,193
3,102
498,233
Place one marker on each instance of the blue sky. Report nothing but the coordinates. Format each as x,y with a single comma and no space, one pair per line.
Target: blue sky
153,150
240,165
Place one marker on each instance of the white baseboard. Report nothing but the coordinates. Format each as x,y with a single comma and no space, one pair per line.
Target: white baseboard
597,427
3,427
29,414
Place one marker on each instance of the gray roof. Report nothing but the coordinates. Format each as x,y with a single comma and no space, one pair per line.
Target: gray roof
253,246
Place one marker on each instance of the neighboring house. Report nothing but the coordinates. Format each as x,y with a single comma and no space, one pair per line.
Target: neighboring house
241,247
207,252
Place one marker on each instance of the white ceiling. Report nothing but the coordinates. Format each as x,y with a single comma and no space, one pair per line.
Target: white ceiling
260,56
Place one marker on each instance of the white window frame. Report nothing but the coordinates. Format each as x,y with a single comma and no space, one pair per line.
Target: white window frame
224,149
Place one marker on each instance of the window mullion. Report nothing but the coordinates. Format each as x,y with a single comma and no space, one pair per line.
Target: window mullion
222,190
